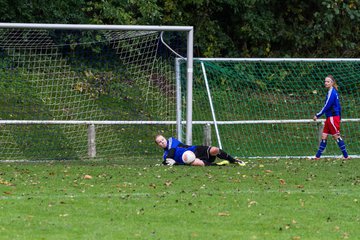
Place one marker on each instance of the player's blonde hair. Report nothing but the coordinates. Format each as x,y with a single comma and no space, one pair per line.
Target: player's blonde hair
334,81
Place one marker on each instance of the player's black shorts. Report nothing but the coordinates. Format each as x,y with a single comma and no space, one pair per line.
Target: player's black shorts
203,153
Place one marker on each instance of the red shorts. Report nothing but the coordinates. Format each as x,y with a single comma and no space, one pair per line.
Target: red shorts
332,125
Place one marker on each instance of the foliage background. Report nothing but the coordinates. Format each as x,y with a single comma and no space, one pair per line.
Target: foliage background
223,28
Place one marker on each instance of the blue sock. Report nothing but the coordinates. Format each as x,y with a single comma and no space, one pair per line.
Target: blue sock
342,147
321,148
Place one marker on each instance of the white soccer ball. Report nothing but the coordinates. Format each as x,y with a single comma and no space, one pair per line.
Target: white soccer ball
188,157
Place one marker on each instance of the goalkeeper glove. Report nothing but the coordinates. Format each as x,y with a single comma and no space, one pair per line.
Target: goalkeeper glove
170,161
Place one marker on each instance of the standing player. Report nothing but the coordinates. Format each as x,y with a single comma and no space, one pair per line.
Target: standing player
332,111
178,153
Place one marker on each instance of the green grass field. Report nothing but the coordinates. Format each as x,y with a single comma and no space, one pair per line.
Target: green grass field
138,199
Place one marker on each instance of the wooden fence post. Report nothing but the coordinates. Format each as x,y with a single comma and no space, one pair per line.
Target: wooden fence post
207,135
91,141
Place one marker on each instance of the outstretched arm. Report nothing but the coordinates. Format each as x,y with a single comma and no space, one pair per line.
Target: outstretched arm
169,158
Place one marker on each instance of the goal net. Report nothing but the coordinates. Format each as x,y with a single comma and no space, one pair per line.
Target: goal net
264,107
56,82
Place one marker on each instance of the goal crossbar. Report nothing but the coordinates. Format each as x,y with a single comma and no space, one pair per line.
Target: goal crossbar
95,27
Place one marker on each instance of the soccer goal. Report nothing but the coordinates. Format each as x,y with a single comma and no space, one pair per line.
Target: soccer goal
264,107
85,91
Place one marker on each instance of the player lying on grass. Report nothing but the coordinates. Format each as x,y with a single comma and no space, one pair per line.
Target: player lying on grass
332,111
177,153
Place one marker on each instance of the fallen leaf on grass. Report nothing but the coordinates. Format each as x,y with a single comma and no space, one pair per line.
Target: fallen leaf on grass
140,211
194,234
282,182
6,183
222,214
88,177
168,183
251,203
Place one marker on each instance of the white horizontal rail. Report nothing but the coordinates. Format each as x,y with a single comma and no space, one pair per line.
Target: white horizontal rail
84,122
88,122
95,27
273,121
277,59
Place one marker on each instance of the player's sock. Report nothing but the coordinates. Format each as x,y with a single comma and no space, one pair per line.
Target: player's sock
321,148
225,156
342,147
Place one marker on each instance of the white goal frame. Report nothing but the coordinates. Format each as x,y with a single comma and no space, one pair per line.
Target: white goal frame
214,122
189,58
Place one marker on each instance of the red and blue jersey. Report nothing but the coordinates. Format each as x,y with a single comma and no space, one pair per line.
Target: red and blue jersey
332,104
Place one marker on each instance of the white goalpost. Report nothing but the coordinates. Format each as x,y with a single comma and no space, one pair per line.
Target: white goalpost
60,82
264,107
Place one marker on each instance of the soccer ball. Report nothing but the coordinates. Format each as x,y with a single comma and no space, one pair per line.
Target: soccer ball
188,157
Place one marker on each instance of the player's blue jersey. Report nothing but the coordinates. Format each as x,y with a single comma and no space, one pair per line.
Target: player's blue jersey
171,143
179,151
175,150
332,104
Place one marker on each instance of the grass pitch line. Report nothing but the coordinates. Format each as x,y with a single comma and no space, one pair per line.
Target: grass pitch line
144,194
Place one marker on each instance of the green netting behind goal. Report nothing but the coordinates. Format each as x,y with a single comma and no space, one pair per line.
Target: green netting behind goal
265,107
